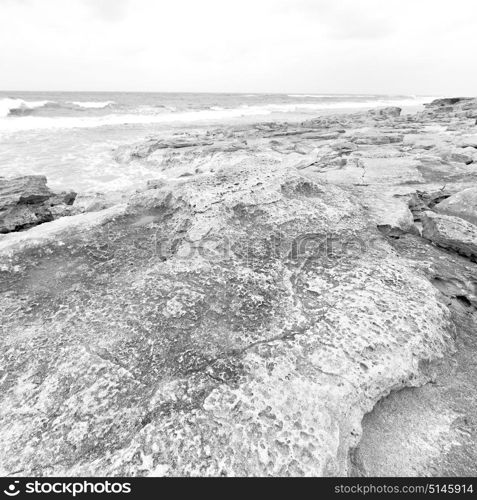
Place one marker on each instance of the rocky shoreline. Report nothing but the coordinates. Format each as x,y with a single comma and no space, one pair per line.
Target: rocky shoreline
286,299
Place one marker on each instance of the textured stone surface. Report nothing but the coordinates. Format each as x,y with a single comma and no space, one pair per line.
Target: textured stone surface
48,233
451,108
462,204
421,201
29,189
146,148
375,138
468,141
247,309
89,202
431,430
27,201
21,202
239,324
450,232
390,111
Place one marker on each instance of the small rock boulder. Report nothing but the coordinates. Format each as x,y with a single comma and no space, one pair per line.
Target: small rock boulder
89,202
27,201
388,112
460,107
64,198
343,147
22,202
468,141
457,155
155,184
448,101
422,201
451,232
25,190
462,204
61,204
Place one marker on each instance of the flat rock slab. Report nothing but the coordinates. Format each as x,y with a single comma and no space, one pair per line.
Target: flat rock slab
125,154
54,231
468,141
389,211
426,141
369,170
450,232
390,170
375,138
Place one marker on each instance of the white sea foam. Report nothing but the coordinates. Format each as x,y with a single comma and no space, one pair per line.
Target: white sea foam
13,124
7,105
309,95
344,96
34,122
310,106
93,104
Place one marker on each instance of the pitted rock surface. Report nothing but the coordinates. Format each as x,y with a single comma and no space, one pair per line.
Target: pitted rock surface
253,308
236,324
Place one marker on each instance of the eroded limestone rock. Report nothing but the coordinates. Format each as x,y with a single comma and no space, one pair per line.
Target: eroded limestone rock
241,318
462,204
450,232
390,111
146,148
89,202
237,324
27,201
465,107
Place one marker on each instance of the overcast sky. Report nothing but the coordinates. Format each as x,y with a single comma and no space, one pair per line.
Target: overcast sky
335,46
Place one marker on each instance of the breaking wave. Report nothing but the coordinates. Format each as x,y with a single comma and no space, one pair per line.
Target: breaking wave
9,106
93,104
147,114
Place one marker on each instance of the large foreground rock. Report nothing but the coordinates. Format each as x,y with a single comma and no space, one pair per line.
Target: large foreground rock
235,324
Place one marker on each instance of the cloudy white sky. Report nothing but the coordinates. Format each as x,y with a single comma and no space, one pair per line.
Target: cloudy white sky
342,46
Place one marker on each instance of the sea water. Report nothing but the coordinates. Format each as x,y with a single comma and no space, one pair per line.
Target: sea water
71,136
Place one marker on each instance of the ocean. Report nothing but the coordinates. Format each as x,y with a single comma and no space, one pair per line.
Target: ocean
70,136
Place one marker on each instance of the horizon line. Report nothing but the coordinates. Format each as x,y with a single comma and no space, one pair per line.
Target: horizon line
229,93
